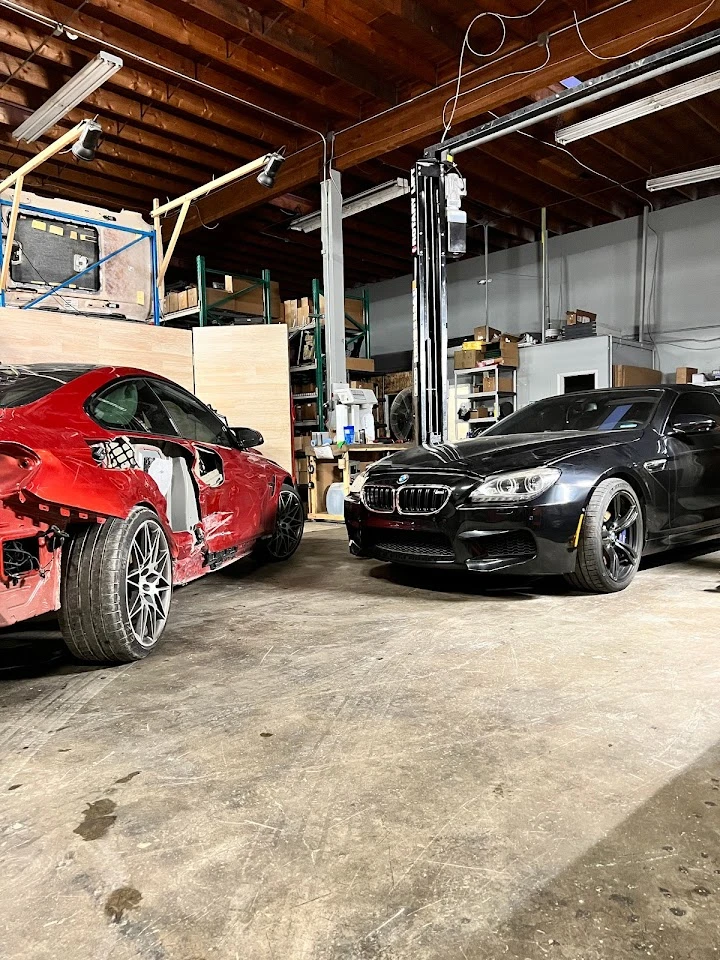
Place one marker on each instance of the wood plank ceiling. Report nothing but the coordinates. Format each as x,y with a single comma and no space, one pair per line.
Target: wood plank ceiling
210,83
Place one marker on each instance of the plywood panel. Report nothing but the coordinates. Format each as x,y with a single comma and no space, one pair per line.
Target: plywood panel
244,373
39,336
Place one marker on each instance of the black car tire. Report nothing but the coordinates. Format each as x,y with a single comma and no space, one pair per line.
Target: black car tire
594,565
289,527
103,616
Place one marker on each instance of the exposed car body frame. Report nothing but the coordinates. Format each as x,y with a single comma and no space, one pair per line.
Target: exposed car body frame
51,482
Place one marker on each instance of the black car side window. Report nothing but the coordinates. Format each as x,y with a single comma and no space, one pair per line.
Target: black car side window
130,406
192,418
696,404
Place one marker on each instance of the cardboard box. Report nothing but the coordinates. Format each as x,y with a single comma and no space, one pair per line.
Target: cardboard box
301,471
573,317
505,382
467,359
685,374
486,334
479,413
505,351
625,375
360,364
290,313
306,411
303,312
249,299
353,313
395,382
171,302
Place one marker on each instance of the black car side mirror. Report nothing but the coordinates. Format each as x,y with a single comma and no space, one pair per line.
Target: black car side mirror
247,438
687,424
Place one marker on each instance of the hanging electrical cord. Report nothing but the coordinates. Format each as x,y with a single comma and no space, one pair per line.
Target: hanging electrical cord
467,46
627,53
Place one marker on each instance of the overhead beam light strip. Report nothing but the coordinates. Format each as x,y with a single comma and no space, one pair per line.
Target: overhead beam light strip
621,78
357,204
682,179
640,108
77,89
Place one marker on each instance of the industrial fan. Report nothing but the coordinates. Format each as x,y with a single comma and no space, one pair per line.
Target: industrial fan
402,415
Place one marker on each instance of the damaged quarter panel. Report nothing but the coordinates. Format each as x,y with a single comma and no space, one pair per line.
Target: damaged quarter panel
67,461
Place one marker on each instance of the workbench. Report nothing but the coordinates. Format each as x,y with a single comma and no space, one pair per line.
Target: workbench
332,464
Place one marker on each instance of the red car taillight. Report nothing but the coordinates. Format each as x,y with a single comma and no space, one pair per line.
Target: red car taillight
17,465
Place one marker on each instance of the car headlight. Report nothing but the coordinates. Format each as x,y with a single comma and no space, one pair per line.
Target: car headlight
519,486
359,482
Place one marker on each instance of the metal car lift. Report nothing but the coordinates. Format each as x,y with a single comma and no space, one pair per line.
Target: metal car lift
438,230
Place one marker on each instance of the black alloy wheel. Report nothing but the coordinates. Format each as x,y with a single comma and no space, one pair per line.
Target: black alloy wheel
621,536
611,541
289,526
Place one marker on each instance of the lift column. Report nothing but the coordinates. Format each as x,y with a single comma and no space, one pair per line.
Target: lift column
429,247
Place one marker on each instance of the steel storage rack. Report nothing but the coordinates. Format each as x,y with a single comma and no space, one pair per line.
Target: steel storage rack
220,310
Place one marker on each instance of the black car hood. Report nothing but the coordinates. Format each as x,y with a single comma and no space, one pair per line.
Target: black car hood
486,455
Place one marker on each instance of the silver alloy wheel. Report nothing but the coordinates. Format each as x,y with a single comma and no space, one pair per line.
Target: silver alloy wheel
148,583
621,537
288,525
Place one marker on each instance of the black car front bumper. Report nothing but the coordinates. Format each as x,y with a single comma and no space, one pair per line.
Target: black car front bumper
527,539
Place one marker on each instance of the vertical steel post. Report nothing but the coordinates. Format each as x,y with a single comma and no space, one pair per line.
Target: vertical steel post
429,297
319,357
333,280
266,296
545,306
486,231
202,292
642,319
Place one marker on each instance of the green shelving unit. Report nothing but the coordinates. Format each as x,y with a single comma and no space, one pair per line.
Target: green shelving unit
315,371
208,314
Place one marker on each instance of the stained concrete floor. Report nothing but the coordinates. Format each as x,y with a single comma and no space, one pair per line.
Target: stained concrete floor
334,760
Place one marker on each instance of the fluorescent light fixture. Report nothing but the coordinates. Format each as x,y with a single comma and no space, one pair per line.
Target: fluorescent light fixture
681,179
640,108
77,89
361,201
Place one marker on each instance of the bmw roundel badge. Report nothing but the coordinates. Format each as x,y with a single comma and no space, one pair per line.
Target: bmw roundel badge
403,478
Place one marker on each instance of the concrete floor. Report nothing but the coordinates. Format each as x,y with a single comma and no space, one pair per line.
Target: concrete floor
334,760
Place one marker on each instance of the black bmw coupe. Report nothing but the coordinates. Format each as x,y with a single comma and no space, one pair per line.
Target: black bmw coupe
582,485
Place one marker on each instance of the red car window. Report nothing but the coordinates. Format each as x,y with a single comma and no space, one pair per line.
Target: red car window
130,406
193,419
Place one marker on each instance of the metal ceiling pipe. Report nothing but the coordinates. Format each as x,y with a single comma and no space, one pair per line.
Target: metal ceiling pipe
642,319
486,232
545,305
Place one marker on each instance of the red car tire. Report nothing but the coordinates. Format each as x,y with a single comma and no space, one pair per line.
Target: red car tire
116,589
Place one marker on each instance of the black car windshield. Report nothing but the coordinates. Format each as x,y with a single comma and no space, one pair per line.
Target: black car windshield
20,385
598,411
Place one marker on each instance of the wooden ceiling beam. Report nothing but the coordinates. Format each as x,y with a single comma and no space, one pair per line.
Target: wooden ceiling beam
135,160
157,50
626,28
253,130
114,106
285,36
160,150
96,186
234,57
342,16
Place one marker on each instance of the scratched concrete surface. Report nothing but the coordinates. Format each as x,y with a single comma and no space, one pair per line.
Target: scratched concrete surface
333,760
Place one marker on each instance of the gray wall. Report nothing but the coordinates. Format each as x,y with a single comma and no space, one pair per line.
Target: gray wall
598,270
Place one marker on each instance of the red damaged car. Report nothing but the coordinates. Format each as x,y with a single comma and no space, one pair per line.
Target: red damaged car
115,486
